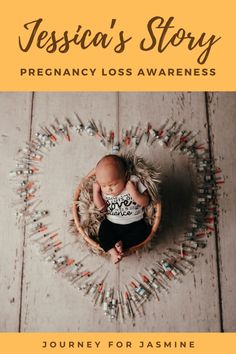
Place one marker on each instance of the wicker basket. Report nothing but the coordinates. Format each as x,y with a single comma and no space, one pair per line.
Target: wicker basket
92,243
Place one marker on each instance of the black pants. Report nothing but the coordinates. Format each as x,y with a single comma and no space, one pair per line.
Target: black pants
130,234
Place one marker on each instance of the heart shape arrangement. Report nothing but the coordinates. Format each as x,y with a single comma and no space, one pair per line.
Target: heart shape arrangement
174,263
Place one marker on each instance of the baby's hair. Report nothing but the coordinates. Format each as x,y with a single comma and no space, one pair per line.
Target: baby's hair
119,160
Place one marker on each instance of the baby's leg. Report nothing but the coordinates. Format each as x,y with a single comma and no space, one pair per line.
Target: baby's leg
108,240
107,236
115,256
135,233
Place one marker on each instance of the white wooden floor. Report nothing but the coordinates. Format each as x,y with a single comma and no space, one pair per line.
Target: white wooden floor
33,298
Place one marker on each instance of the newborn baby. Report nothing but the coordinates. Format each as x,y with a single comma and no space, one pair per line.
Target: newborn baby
123,199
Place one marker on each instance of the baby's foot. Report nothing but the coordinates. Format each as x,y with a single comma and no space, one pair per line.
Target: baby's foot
119,247
115,256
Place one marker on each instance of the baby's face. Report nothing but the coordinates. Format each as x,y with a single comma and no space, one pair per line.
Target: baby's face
110,179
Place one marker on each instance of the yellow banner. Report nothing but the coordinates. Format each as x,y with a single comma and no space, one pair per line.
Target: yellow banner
113,343
123,45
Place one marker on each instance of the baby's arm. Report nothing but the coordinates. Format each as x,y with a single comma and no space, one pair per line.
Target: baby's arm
140,198
97,197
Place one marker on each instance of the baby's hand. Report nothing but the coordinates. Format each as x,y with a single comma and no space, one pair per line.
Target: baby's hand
96,187
131,187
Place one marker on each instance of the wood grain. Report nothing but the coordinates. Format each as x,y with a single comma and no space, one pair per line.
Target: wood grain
222,109
15,123
34,298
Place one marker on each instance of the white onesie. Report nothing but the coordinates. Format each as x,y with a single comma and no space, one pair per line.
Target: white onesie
122,209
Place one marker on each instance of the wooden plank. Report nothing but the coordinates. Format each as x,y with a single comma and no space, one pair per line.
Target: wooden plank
193,305
50,303
222,108
14,129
